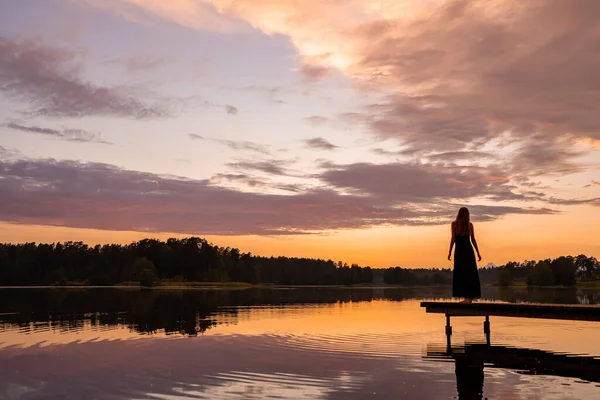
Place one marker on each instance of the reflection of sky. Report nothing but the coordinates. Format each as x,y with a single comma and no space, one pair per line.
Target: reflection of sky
336,351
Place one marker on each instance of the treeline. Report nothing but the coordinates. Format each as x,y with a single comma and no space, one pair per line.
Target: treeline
563,271
148,261
413,277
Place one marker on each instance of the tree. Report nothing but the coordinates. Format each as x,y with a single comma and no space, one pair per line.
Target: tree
401,276
587,268
503,277
145,271
540,275
440,278
564,270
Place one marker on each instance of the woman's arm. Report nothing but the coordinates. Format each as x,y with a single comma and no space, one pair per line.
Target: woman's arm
474,241
451,244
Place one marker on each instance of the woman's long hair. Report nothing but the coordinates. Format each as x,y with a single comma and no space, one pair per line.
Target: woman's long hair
460,226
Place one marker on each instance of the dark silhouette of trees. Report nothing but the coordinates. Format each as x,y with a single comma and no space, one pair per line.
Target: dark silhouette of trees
563,271
177,260
504,277
194,259
401,276
145,271
541,275
588,268
417,276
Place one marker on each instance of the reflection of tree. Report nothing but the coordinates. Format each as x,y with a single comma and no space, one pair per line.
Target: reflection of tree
190,312
186,312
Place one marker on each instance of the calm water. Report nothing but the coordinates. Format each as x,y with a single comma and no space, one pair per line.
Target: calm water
286,344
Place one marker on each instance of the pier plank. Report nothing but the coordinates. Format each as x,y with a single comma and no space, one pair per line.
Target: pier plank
575,312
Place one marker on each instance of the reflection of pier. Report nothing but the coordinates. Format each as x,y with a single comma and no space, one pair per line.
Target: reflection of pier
527,361
515,310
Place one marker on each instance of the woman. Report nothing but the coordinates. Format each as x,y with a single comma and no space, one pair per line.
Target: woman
465,282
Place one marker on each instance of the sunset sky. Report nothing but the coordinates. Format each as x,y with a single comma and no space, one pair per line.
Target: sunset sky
343,129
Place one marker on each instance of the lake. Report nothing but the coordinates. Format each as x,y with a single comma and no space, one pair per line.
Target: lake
288,343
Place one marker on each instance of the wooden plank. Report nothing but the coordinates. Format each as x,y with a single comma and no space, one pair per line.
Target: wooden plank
518,310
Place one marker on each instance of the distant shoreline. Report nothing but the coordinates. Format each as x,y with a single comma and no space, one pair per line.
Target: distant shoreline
225,286
244,286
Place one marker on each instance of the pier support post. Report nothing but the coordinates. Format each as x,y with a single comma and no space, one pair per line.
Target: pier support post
448,333
486,329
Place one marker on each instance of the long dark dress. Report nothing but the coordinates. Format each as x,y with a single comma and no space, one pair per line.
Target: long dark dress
465,279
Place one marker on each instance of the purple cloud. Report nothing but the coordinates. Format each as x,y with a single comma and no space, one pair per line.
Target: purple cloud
234,145
67,134
48,79
140,63
231,110
273,167
422,183
320,143
464,78
82,195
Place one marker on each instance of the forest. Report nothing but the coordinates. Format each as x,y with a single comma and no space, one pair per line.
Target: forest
561,271
150,262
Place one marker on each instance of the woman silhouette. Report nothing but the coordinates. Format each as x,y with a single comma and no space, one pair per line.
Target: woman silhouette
465,280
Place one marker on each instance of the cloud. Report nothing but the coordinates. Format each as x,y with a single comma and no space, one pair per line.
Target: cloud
316,119
455,156
48,79
592,183
189,13
235,145
269,92
67,134
312,73
421,183
254,182
474,71
245,145
5,153
272,167
574,202
231,110
240,178
384,152
140,63
546,156
320,143
457,74
44,192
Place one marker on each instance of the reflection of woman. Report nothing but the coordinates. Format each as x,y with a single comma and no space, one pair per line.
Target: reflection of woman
465,282
469,378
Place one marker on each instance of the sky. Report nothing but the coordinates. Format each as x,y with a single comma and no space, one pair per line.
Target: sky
342,129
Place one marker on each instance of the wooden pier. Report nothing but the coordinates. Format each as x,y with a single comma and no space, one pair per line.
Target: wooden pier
574,312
